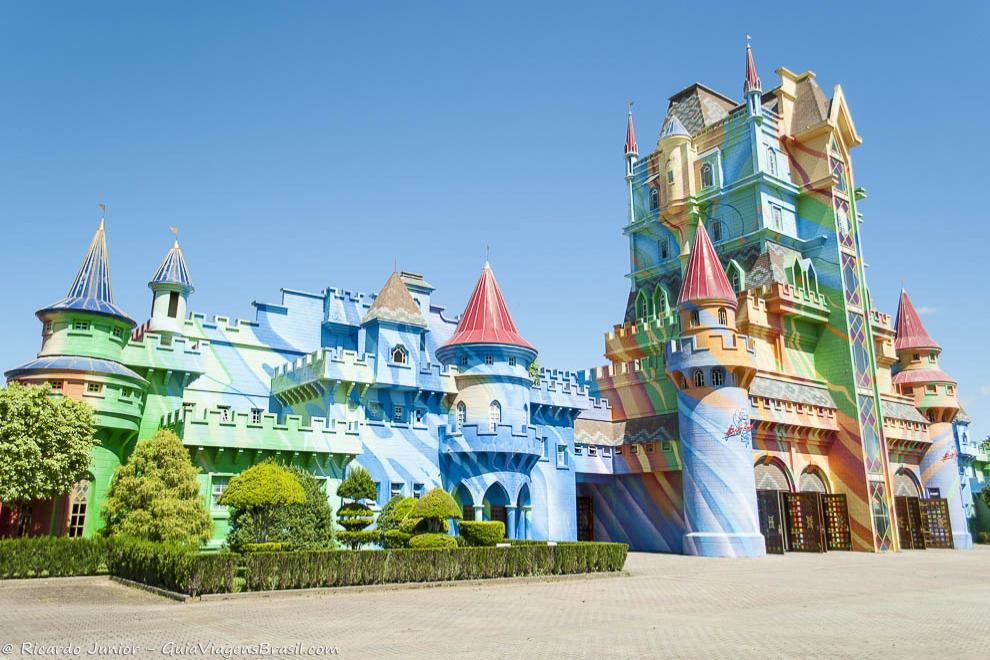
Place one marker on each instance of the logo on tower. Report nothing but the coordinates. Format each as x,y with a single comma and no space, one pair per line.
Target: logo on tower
741,429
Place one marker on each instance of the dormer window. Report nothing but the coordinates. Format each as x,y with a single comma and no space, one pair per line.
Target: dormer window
118,333
399,355
463,360
707,175
654,199
512,361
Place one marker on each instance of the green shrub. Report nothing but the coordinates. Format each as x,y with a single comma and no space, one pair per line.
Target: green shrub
433,541
983,537
436,507
300,570
482,533
270,546
394,512
50,556
396,538
261,491
355,538
172,566
358,487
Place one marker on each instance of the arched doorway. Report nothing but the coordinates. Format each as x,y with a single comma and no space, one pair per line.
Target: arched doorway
464,500
908,506
812,481
771,483
495,502
834,517
905,484
524,504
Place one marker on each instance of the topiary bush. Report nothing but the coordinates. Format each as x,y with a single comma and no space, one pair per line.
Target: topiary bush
482,533
431,541
258,496
354,516
390,521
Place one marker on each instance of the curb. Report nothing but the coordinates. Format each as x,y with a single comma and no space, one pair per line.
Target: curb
158,591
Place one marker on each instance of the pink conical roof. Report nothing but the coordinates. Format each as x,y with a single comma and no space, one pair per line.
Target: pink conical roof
910,332
752,80
704,279
631,147
486,318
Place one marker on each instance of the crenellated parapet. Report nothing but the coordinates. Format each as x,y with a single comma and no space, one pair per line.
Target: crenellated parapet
521,443
236,431
177,354
639,338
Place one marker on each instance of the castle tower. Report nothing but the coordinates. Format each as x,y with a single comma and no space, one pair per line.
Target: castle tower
752,87
712,365
394,327
170,287
492,406
934,392
678,155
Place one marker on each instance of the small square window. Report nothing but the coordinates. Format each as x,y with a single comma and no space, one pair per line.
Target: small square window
56,385
561,455
224,413
49,326
618,451
396,488
592,450
578,450
94,388
256,415
649,448
512,361
665,446
419,415
634,449
125,393
218,484
417,490
606,451
463,360
397,413
931,389
489,359
80,325
118,333
375,409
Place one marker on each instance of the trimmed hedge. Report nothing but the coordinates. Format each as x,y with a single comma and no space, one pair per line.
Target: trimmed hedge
482,533
433,541
302,570
180,568
51,556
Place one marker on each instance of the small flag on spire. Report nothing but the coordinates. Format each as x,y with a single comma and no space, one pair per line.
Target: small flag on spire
174,230
103,207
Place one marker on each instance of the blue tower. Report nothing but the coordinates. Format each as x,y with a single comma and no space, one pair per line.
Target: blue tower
712,365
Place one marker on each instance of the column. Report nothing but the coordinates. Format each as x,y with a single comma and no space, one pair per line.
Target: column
510,525
479,511
527,511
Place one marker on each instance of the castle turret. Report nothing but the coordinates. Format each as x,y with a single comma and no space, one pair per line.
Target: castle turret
394,328
677,156
712,365
934,392
752,87
170,287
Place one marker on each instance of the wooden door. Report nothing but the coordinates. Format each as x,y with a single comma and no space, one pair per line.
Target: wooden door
585,519
805,531
937,527
838,535
904,534
771,520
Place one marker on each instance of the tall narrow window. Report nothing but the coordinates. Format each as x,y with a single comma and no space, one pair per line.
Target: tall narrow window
173,304
695,318
494,415
654,199
699,378
777,217
771,161
717,378
77,512
707,176
723,317
218,484
664,248
716,231
734,280
461,413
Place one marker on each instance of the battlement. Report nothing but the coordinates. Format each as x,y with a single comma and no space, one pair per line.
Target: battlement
219,322
881,320
155,351
481,438
346,295
215,427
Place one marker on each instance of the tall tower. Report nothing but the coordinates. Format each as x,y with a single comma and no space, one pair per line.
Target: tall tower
712,365
934,392
170,287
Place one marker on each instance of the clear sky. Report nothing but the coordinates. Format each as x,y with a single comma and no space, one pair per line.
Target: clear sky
306,144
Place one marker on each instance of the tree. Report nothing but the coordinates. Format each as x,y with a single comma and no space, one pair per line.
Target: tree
306,526
259,492
354,516
44,443
155,495
433,510
534,372
390,519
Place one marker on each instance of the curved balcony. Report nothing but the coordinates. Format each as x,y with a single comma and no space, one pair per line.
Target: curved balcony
479,439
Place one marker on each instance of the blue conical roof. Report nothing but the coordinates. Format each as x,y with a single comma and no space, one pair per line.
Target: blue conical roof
91,290
173,269
673,127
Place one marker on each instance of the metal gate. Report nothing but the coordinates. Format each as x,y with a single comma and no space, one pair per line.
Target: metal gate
937,527
805,530
910,528
585,519
771,520
838,536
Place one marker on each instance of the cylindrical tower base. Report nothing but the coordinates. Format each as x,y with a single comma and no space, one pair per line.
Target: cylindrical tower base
720,513
940,470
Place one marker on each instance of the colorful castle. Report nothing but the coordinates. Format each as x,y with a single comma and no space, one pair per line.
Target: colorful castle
754,399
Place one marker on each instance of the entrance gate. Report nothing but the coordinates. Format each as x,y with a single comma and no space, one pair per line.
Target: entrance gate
805,529
585,519
923,523
771,520
838,536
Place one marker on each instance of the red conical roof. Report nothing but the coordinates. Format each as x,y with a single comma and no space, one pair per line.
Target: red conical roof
910,332
752,80
631,147
704,279
486,318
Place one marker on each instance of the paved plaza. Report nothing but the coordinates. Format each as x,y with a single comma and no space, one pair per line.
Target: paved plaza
931,604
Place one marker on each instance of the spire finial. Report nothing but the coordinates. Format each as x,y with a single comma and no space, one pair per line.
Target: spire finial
103,213
631,147
630,106
752,83
488,254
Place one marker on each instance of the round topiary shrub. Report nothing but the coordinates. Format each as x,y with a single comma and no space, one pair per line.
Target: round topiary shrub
432,541
433,509
482,532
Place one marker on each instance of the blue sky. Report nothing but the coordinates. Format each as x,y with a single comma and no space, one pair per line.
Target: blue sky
308,144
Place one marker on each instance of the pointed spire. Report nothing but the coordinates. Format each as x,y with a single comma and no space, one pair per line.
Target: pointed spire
704,279
910,332
753,83
394,303
91,290
486,318
631,148
173,269
673,127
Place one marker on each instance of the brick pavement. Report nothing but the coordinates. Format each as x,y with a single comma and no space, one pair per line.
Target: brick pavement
911,604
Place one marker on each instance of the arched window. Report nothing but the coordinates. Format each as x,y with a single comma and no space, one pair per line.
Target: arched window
718,378
642,305
771,160
707,176
654,199
399,355
494,414
695,318
659,301
461,413
699,378
735,273
723,317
